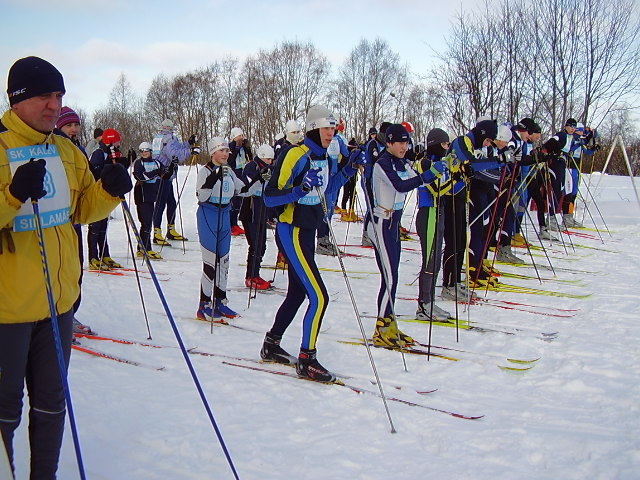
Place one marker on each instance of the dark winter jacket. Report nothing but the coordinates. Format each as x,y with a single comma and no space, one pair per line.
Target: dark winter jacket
236,154
304,209
147,172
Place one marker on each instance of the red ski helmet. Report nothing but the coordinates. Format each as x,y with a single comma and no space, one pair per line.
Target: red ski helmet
110,136
408,126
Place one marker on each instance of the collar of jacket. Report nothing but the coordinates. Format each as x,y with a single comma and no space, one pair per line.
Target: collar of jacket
398,163
30,136
259,163
315,148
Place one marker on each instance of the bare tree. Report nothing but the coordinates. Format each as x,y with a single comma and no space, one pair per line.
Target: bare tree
611,54
281,84
365,83
124,113
157,101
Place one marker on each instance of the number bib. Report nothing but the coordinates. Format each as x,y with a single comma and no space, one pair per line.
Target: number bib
55,206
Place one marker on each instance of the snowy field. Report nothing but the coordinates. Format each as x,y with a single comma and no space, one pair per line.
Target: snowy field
575,414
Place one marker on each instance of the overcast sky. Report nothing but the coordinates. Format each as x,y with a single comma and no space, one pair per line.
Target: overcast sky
92,42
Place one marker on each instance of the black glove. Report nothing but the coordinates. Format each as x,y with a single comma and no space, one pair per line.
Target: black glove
193,139
28,180
170,170
115,179
221,172
468,170
195,150
211,180
152,174
553,147
132,155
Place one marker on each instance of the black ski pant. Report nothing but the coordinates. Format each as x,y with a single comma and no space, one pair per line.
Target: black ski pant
236,202
145,216
348,192
505,220
254,222
557,169
28,354
166,199
534,191
97,239
481,195
455,237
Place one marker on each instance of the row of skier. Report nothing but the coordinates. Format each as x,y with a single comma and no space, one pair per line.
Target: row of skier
472,195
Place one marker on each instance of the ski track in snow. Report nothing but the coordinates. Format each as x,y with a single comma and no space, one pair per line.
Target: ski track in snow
574,415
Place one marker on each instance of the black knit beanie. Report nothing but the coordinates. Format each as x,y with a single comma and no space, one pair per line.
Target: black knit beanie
32,76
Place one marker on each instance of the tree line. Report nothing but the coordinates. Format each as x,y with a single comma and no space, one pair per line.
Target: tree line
549,59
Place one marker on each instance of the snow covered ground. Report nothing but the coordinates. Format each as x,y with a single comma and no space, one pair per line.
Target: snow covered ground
574,415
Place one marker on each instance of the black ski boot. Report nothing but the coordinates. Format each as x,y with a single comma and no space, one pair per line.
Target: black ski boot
309,367
272,352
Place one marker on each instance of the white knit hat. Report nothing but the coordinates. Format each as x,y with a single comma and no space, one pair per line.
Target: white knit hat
320,117
265,151
235,131
504,133
217,143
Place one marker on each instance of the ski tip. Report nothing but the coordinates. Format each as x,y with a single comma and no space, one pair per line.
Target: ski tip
215,321
523,361
515,369
426,392
335,381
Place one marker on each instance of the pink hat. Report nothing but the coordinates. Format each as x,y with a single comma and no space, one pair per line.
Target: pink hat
67,116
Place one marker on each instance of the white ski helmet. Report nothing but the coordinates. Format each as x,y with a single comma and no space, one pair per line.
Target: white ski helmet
145,146
217,143
293,132
235,131
166,124
265,151
320,117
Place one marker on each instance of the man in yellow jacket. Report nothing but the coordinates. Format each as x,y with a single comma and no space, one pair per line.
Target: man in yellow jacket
39,165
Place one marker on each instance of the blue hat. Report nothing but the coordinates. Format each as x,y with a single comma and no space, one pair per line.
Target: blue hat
396,133
32,76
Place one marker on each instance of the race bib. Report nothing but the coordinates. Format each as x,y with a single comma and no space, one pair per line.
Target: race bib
241,159
156,145
398,204
568,181
55,206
